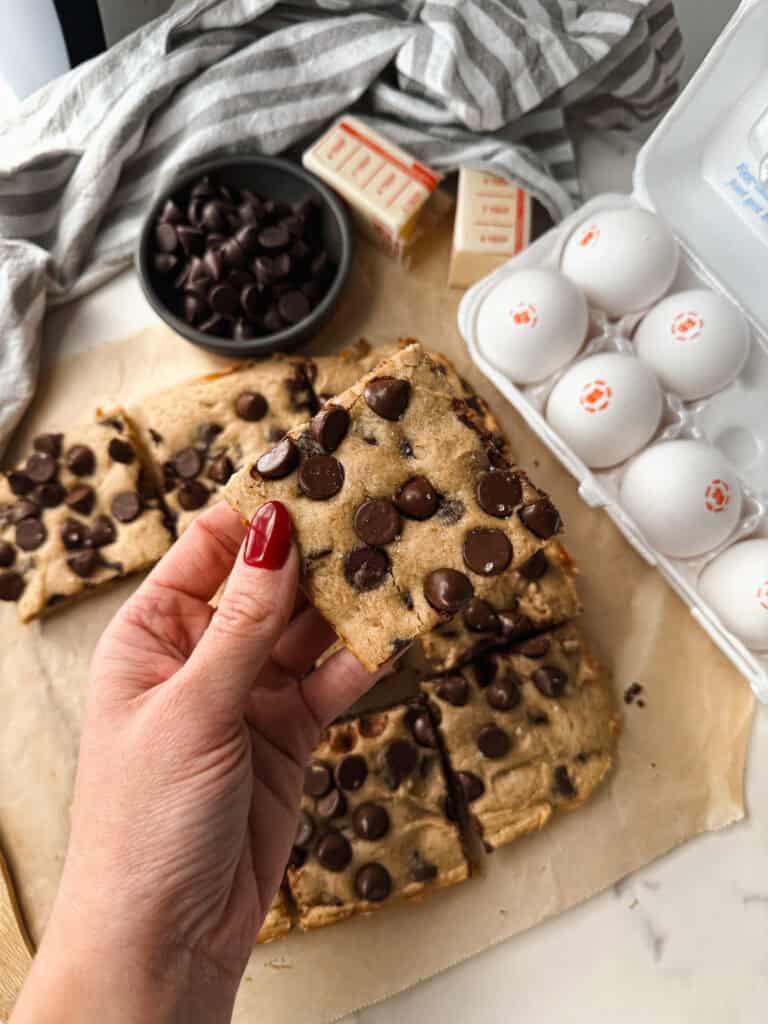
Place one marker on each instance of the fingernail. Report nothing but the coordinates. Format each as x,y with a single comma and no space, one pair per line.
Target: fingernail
269,537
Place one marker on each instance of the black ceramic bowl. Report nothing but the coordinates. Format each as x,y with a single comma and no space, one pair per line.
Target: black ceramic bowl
275,179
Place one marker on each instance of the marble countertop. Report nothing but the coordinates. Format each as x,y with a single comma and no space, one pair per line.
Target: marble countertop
685,939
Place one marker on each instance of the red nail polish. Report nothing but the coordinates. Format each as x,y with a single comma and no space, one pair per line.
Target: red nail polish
269,537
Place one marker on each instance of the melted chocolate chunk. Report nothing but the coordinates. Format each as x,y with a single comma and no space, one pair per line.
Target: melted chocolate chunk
7,555
472,785
102,532
187,463
251,406
30,534
503,694
126,506
493,742
80,460
84,563
333,851
480,617
48,443
535,567
317,779
11,586
351,772
41,467
399,759
121,451
73,534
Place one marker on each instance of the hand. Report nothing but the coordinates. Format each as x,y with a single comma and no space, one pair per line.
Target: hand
197,729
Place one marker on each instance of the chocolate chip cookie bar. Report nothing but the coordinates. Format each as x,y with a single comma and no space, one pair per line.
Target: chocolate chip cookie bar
79,511
199,432
373,826
540,594
278,921
526,732
403,503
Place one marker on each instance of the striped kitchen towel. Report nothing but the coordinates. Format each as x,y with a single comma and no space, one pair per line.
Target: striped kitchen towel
489,83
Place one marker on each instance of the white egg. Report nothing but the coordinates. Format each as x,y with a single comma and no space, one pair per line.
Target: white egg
623,260
606,408
532,323
695,341
684,496
735,585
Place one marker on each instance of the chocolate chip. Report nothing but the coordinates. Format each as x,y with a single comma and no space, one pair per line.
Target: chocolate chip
252,300
400,759
370,821
333,851
121,451
293,306
424,871
102,532
84,563
388,397
534,567
550,681
171,213
208,432
73,534
487,552
562,782
305,829
263,271
22,509
417,498
420,724
376,521
351,772
454,690
48,443
485,670
329,427
243,330
40,467
366,568
332,805
187,463
541,517
320,477
503,694
126,506
493,742
19,482
221,469
447,590
233,255
471,784
213,263
278,461
317,779
535,647
499,492
49,495
480,617
213,216
373,882
514,625
30,534
11,586
191,495
192,240
80,460
165,237
7,554
273,239
165,262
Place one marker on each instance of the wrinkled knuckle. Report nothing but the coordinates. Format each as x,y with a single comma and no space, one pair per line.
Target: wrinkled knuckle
240,614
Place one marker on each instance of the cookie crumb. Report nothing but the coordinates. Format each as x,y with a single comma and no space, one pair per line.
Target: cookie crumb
632,693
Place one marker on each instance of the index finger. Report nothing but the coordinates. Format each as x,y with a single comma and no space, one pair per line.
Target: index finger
202,558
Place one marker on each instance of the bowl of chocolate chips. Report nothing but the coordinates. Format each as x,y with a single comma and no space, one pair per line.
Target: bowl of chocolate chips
245,255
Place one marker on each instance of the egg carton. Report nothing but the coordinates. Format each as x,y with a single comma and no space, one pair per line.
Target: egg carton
692,172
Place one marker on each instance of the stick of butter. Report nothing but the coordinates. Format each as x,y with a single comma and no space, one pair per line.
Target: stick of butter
493,222
386,187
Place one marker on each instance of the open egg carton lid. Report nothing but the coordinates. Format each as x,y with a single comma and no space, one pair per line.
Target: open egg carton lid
700,172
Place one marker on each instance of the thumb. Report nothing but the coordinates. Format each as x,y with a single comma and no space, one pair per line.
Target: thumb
254,609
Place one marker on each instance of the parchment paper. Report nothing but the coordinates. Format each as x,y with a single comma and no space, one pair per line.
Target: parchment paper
681,757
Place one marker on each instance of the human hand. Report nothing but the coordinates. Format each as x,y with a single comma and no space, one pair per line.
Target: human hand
197,729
